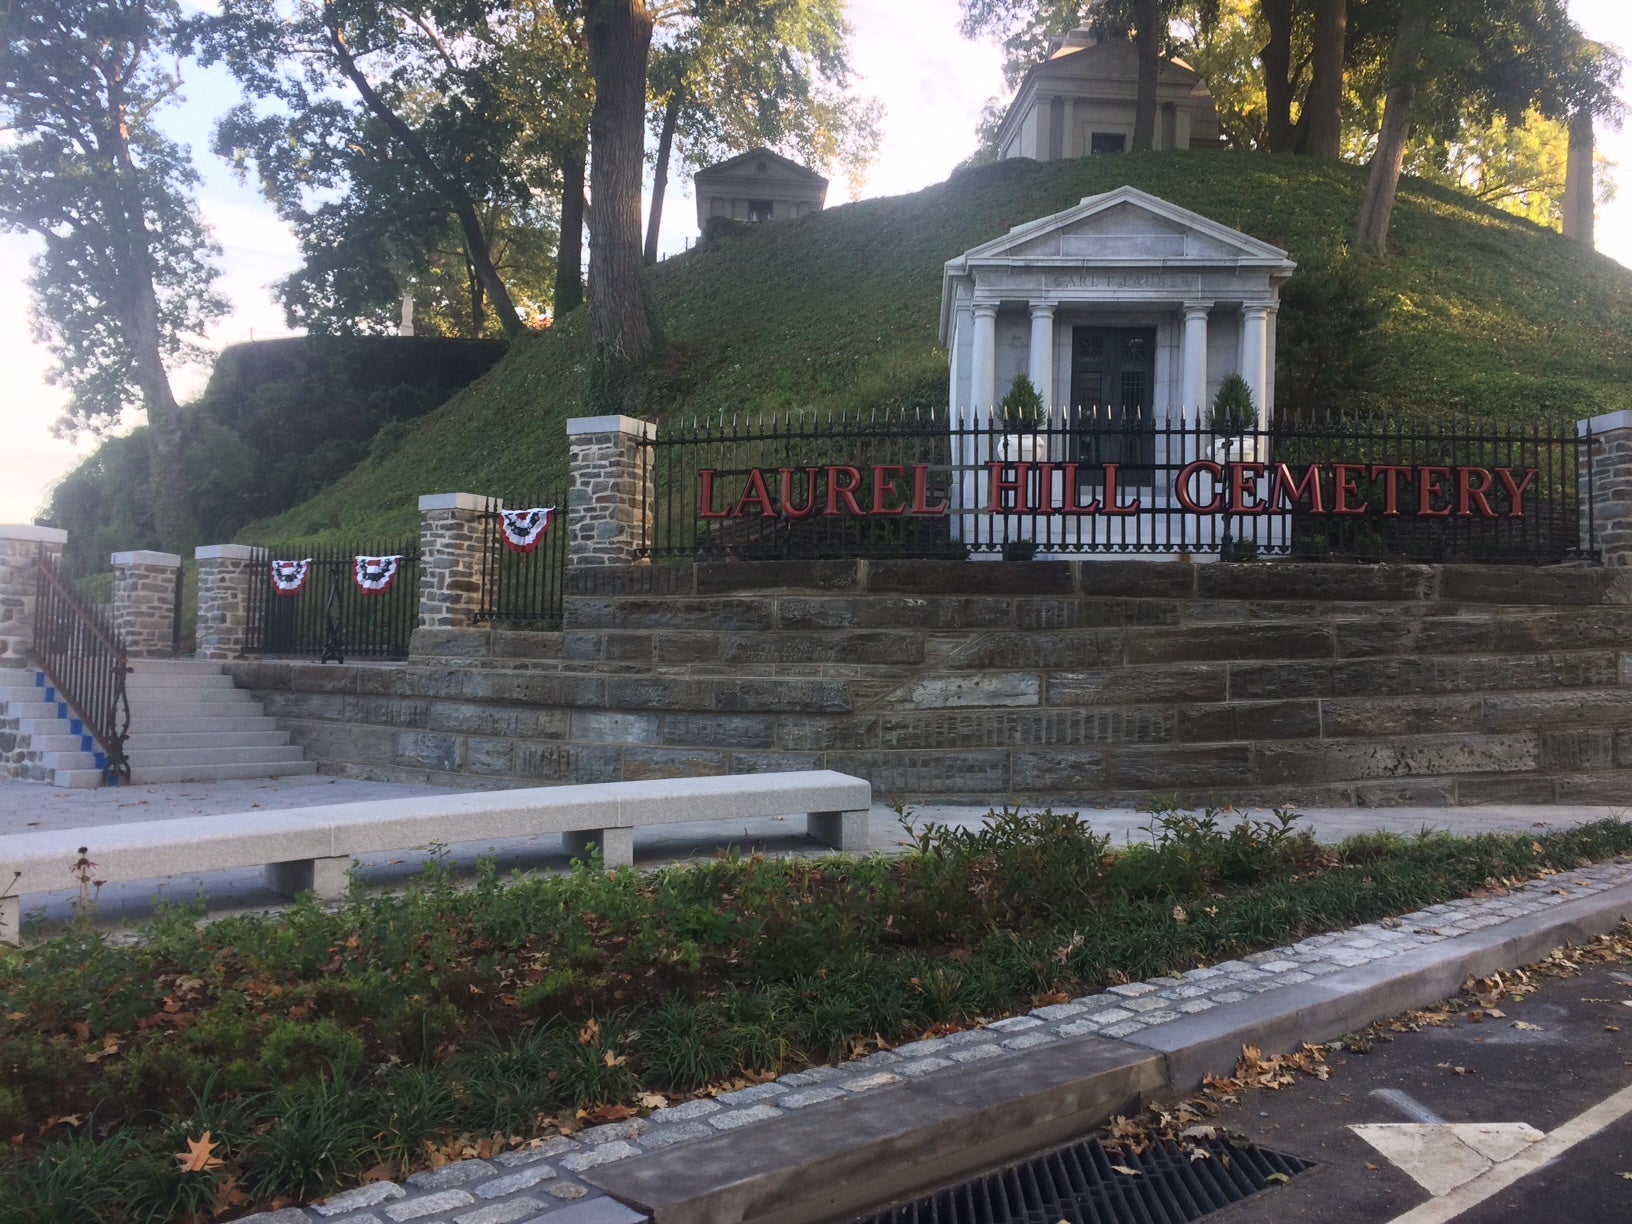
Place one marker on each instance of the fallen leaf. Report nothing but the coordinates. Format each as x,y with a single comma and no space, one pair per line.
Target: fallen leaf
1123,1169
652,1100
1179,914
1526,1027
199,1156
1276,1179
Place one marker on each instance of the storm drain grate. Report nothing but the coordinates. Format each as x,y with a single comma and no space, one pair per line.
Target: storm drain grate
1078,1184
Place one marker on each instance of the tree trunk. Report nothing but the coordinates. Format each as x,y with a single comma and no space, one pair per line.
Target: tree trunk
1147,42
1383,183
1322,122
620,40
138,314
1277,60
458,199
478,300
569,256
660,175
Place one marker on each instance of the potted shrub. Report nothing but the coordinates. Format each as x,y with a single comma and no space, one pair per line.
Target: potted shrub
1021,414
1231,417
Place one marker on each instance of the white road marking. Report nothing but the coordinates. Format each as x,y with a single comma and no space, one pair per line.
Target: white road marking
1408,1105
1439,1157
1500,1176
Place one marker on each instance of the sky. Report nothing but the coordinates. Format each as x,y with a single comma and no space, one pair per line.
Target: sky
908,53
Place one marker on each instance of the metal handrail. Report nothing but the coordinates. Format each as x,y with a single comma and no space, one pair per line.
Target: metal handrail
83,656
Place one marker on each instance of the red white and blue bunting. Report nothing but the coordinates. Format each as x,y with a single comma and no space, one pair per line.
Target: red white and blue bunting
523,529
289,576
374,575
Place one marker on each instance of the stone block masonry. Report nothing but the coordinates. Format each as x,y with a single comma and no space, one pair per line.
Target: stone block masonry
1054,682
144,602
612,499
224,574
450,559
20,547
1611,491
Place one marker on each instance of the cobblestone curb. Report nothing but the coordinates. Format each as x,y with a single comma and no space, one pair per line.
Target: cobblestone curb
539,1183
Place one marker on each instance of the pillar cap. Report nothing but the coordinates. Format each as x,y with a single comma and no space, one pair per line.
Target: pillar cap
225,552
616,423
1598,425
27,531
143,556
456,501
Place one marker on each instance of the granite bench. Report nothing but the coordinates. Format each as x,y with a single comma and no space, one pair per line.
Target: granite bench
311,848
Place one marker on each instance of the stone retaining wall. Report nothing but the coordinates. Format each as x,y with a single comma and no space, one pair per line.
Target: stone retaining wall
1054,682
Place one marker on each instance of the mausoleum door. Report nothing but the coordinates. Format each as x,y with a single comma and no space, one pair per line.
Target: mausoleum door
1113,375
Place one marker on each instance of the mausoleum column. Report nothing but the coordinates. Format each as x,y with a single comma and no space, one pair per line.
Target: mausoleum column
983,358
1042,351
1255,351
1193,385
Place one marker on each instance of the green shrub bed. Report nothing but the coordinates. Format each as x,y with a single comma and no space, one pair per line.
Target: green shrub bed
318,1047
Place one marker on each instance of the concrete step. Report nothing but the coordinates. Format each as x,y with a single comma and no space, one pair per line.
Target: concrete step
38,711
160,757
73,760
78,779
160,704
167,682
182,723
218,773
147,739
45,741
175,667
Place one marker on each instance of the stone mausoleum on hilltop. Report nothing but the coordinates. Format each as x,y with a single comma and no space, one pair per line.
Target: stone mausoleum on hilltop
1080,101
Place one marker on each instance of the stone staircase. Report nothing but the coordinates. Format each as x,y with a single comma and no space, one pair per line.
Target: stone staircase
188,723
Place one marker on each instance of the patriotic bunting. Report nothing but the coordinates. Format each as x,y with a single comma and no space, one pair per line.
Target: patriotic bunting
523,529
374,575
289,576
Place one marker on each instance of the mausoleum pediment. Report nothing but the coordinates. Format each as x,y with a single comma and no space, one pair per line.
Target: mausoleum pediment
1123,225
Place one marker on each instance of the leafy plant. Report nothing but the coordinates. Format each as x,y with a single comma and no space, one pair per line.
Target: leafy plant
1232,413
1022,407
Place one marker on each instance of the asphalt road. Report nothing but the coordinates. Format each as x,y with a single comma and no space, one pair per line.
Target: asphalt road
1554,1054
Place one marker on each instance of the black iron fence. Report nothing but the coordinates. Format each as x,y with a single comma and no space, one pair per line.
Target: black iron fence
923,483
79,650
334,602
524,560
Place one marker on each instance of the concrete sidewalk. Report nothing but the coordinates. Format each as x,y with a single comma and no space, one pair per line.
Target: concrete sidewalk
26,807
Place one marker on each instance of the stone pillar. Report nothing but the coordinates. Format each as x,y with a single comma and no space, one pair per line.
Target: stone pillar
1255,352
224,574
612,495
144,602
983,359
450,558
1193,384
1579,204
1042,352
20,546
1611,500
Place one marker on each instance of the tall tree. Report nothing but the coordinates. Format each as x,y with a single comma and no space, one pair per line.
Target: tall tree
1459,59
620,40
419,69
1321,124
125,276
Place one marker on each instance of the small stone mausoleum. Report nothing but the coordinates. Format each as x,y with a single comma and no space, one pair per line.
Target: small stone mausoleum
1080,101
758,185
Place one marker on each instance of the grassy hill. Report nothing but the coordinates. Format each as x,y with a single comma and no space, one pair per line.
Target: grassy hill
1489,316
